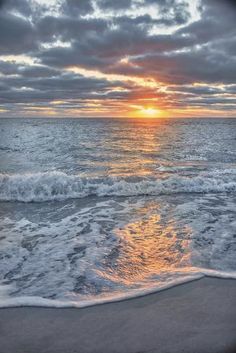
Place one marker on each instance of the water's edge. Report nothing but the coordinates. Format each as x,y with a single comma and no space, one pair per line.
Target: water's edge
131,294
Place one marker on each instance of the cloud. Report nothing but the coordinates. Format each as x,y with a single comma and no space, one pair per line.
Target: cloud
77,8
28,84
69,28
114,5
152,41
170,11
20,6
17,35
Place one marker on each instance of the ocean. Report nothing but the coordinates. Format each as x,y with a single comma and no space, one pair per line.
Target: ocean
97,210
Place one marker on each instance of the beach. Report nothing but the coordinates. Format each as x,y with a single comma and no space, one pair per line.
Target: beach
197,317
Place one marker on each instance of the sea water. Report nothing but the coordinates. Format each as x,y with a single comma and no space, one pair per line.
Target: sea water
95,210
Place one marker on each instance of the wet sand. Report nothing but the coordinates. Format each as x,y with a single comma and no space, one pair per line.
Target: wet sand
198,317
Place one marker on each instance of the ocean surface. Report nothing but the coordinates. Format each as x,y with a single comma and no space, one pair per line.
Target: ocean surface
95,210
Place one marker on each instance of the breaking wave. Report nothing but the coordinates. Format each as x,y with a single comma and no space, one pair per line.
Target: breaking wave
40,187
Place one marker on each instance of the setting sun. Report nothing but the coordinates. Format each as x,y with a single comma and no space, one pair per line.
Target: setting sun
149,112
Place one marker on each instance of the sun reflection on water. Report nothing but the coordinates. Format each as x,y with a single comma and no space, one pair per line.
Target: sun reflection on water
148,247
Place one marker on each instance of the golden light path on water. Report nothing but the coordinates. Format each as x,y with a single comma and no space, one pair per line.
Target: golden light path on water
136,147
148,247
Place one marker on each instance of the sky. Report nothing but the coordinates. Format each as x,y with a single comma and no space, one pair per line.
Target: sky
117,58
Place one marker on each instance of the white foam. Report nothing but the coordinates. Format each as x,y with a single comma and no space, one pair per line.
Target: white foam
185,238
29,301
50,186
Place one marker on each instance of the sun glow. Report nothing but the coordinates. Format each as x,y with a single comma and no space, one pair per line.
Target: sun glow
149,112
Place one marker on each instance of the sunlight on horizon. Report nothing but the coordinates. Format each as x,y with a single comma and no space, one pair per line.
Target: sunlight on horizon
148,112
152,112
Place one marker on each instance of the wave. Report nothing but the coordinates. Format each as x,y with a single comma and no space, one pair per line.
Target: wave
56,186
32,301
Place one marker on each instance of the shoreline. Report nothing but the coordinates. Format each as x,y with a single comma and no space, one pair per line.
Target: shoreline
39,302
196,317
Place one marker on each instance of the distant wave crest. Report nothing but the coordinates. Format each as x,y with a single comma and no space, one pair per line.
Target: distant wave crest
40,187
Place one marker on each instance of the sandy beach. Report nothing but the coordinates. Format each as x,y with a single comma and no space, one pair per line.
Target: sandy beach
198,317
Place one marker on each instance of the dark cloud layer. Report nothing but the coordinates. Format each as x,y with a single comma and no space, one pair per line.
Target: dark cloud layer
75,7
159,42
17,35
